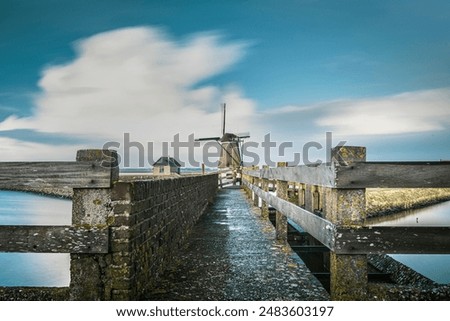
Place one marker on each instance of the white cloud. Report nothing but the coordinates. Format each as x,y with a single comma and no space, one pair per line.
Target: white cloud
405,113
140,81
397,123
17,150
290,109
411,112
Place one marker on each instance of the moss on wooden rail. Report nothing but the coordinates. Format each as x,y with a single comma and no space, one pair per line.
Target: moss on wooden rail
80,174
363,174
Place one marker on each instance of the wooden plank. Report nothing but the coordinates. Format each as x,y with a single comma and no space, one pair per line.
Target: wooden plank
393,239
53,239
322,175
319,228
394,175
87,174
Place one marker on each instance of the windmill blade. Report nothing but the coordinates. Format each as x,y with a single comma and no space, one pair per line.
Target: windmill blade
207,138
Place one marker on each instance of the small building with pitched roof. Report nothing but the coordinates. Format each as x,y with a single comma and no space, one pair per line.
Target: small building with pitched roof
166,165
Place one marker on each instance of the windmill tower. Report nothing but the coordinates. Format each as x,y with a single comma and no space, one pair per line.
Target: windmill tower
230,154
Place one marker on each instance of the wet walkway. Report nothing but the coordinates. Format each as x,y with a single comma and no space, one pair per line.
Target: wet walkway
232,254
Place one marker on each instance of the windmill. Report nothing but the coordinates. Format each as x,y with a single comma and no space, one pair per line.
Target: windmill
230,154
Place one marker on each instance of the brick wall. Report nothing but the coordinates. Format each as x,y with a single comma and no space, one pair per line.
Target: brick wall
150,221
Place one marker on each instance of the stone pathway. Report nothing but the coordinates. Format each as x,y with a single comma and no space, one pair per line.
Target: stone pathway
232,254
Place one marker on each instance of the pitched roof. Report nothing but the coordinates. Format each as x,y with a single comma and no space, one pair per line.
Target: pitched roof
164,161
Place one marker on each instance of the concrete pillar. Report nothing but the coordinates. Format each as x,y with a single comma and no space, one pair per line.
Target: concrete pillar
281,220
91,208
349,279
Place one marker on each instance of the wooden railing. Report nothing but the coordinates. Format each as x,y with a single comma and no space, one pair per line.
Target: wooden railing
98,172
123,233
331,207
93,171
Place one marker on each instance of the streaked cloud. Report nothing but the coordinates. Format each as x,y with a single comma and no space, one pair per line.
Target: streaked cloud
142,82
410,125
411,112
18,150
138,81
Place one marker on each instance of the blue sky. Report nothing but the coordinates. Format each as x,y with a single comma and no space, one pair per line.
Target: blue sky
77,74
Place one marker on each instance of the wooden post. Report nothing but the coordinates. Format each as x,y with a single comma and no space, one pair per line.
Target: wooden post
264,205
247,190
281,220
256,183
309,197
301,195
91,208
346,207
252,181
316,199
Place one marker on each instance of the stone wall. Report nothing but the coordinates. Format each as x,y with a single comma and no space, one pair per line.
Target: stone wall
151,221
408,285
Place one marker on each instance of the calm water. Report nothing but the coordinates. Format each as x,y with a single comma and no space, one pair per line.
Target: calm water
32,269
435,215
433,266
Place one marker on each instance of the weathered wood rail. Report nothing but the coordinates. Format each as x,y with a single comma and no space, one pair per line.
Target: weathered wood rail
97,173
82,174
331,207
